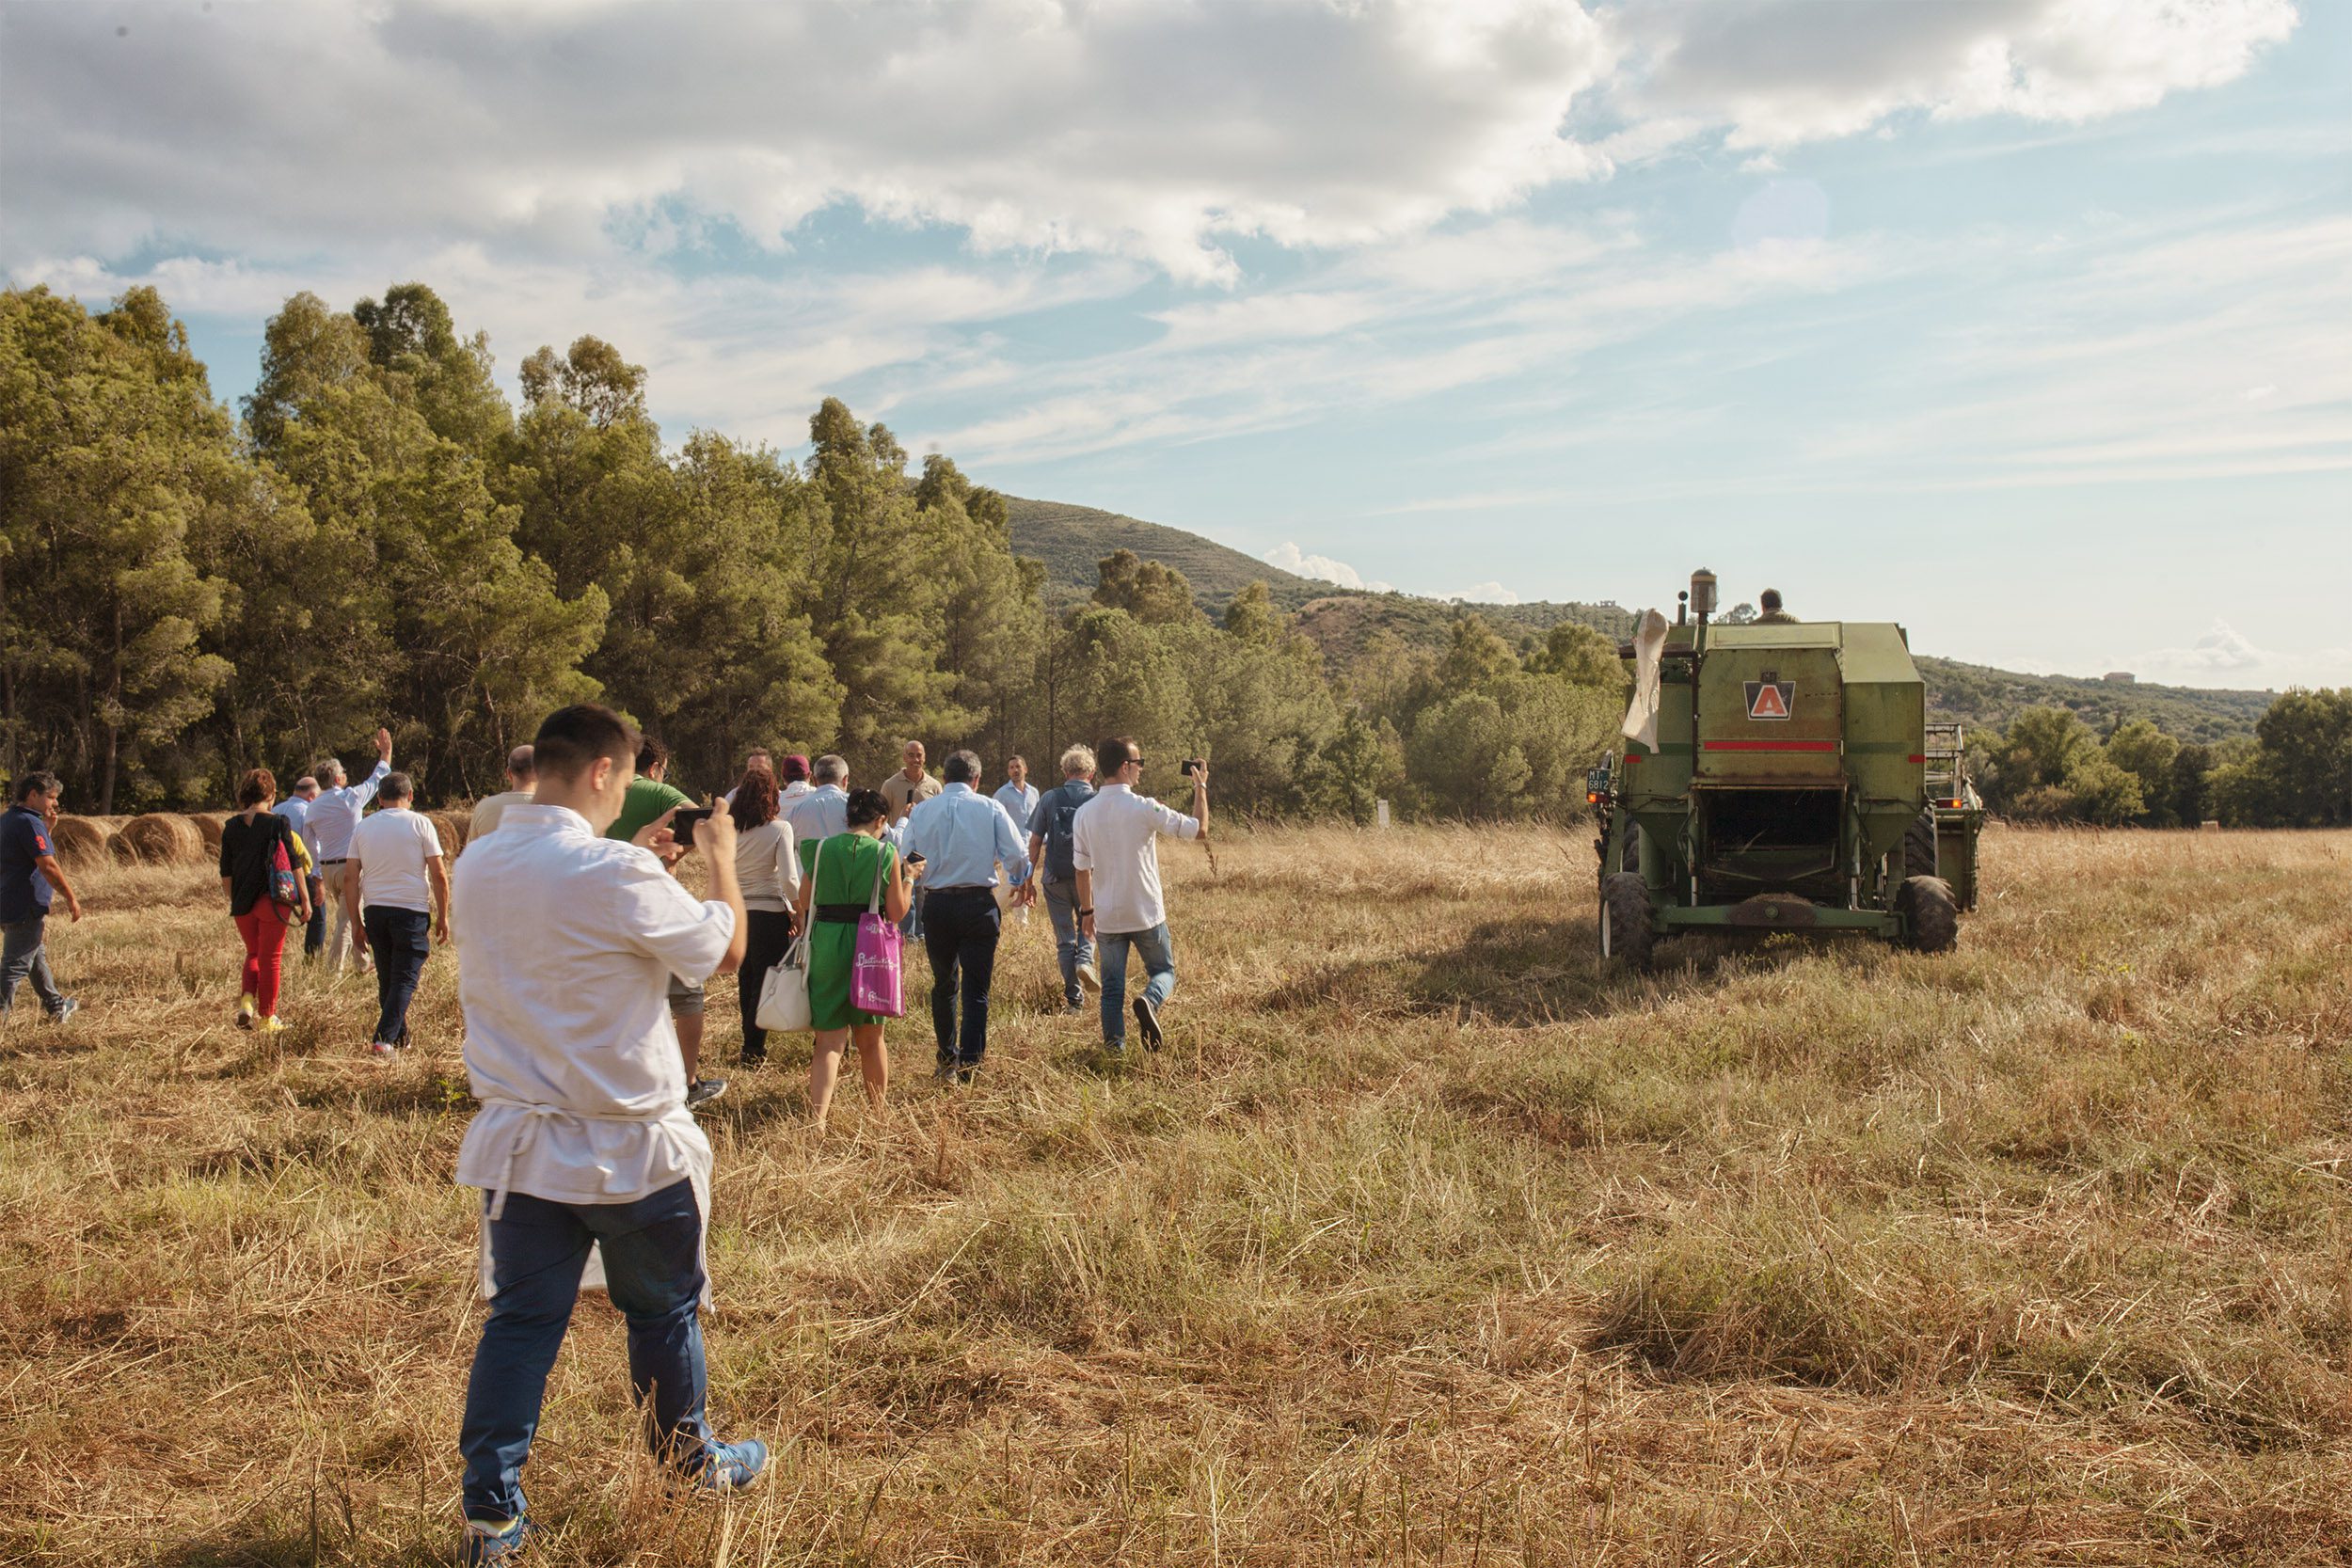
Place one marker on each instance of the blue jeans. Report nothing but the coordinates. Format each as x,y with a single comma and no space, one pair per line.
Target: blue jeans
1159,961
399,940
22,956
652,1265
1071,948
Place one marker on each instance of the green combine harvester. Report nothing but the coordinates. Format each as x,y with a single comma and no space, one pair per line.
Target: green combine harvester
1780,777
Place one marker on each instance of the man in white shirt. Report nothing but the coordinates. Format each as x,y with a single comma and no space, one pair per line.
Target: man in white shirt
520,775
792,773
334,817
583,1138
393,870
1114,847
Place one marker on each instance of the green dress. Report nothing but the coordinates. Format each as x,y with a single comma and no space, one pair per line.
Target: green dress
852,862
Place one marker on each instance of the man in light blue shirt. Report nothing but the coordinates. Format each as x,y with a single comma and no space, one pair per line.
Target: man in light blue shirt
963,836
295,809
1017,795
824,811
334,817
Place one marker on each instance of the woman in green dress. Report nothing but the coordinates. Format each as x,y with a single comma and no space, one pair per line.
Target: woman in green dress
835,888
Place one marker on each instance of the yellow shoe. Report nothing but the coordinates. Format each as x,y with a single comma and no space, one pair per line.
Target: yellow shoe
270,1024
245,1011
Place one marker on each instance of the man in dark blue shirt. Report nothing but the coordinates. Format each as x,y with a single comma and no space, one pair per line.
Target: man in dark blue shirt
1049,849
28,872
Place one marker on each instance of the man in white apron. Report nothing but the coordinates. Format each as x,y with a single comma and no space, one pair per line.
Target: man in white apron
566,942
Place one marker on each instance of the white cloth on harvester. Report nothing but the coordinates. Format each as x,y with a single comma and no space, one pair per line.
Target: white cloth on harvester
1641,717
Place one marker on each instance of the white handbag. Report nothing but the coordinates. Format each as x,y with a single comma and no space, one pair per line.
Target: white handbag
783,995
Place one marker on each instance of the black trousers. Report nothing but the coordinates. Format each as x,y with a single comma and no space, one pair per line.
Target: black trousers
960,930
767,937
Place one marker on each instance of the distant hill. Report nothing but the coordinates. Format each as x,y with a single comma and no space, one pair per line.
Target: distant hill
1343,624
1976,695
1070,540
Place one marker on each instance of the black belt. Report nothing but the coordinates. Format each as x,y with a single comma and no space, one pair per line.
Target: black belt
967,887
336,861
840,914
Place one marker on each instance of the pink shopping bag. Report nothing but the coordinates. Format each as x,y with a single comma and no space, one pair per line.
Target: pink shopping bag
876,983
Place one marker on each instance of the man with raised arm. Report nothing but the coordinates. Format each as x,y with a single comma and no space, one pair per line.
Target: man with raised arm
333,817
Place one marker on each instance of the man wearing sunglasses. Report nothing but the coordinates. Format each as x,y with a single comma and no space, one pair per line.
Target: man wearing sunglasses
1114,851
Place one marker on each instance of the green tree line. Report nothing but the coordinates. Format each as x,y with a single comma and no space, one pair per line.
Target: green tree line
2296,771
380,535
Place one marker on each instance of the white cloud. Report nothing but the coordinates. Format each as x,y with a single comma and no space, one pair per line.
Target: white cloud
1778,73
1485,592
1143,129
1288,556
2225,657
1159,132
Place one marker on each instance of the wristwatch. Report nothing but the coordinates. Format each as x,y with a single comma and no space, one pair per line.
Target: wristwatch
1084,913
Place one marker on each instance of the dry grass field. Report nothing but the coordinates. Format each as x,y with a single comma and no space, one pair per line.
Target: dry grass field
1426,1242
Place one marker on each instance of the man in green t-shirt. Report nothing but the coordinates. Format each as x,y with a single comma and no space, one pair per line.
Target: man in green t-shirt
648,799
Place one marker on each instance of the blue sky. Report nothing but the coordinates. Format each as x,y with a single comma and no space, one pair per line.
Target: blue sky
2026,322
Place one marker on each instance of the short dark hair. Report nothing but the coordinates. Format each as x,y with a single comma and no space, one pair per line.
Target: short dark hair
962,768
651,753
571,739
397,786
755,801
1770,598
39,782
866,805
257,786
522,762
1117,752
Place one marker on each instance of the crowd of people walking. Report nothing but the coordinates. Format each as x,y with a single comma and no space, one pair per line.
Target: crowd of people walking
583,966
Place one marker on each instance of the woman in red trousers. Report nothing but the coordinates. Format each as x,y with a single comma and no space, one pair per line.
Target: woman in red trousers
251,846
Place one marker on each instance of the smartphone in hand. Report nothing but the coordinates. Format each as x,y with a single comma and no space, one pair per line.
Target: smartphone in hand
682,825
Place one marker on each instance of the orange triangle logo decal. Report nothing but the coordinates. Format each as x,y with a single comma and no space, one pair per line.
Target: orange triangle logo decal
1769,699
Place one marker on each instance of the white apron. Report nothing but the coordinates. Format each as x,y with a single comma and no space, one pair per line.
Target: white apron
698,1173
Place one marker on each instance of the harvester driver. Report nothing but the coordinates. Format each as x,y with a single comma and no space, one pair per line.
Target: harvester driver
1773,615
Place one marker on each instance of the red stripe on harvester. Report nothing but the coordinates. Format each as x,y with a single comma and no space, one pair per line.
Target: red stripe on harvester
1914,757
1771,745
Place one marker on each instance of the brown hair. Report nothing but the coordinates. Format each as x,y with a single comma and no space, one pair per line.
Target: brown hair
257,786
755,801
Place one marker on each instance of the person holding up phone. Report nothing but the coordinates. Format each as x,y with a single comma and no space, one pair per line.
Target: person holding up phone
1115,850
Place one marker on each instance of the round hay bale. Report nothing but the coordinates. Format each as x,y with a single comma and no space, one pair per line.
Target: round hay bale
452,826
210,823
79,840
159,838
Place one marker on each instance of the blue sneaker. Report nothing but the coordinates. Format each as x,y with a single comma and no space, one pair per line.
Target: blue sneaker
731,1467
490,1543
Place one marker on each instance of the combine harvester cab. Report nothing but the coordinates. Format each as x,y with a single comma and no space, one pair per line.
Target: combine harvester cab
1777,777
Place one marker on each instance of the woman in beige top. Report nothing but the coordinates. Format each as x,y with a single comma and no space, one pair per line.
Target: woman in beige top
768,866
